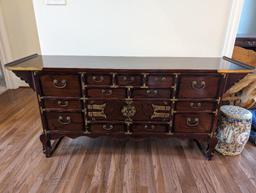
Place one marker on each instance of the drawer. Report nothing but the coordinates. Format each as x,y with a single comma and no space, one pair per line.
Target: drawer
151,93
160,81
106,93
198,87
196,106
149,128
101,79
129,80
65,121
61,85
107,128
193,122
62,104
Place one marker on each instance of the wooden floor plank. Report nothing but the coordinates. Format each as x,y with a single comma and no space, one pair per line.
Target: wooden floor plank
104,165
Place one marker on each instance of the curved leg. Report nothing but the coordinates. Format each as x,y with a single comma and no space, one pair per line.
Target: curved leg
48,147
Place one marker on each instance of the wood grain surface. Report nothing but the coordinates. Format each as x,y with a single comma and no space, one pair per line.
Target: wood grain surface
104,165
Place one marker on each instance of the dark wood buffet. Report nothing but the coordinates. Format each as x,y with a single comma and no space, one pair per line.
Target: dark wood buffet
128,96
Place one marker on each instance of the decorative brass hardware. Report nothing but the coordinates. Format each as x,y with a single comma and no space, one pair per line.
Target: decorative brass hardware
97,78
198,84
65,121
152,92
195,105
63,103
165,111
129,110
151,127
192,122
106,92
128,79
107,127
97,110
59,84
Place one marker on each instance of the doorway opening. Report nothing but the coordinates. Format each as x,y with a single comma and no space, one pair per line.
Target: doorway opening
245,44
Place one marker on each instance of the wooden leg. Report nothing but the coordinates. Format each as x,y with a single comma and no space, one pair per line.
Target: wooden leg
48,147
208,149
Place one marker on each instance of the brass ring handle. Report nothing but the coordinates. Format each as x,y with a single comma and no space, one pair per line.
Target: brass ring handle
162,78
107,92
98,78
63,103
195,105
65,121
152,92
107,127
198,84
192,122
149,128
130,79
60,84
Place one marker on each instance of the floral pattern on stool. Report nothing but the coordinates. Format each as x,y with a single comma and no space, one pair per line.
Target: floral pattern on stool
234,130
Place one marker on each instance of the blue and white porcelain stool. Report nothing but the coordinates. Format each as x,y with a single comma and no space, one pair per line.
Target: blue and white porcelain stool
234,130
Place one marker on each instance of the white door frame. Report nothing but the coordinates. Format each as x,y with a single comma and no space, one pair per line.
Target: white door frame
6,56
232,27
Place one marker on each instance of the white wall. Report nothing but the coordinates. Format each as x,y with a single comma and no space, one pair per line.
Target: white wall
133,27
248,18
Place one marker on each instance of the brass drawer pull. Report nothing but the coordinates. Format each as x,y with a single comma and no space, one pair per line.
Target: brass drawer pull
128,79
107,127
65,121
160,79
98,78
152,127
192,122
63,103
60,84
195,105
198,84
152,92
107,92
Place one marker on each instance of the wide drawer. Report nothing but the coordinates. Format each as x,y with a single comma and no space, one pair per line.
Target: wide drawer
65,104
106,93
193,122
107,128
151,93
98,79
196,106
149,128
129,80
160,81
114,110
198,87
60,85
65,121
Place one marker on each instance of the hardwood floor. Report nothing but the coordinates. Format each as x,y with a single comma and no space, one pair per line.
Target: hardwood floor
109,166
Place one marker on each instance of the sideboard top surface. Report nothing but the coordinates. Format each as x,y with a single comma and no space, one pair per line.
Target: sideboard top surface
43,62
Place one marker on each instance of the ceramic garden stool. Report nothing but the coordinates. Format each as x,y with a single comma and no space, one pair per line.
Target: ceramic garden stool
234,130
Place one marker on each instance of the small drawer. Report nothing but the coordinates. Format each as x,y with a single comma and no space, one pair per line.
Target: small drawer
151,93
149,128
160,81
198,87
107,128
62,104
101,79
193,122
196,106
106,93
65,121
61,85
129,80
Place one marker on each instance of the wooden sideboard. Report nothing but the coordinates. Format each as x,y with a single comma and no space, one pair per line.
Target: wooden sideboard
128,96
